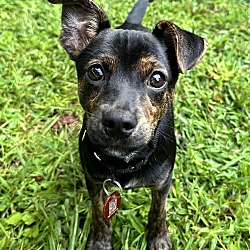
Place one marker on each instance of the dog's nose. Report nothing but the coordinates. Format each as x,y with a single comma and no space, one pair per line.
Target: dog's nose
119,124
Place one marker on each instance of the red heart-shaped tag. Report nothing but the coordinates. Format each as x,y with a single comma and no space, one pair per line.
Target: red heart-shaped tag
111,205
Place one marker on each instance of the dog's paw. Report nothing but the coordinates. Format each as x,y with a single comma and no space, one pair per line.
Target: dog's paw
99,242
160,242
98,245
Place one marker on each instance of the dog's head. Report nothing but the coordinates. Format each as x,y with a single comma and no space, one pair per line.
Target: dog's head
126,78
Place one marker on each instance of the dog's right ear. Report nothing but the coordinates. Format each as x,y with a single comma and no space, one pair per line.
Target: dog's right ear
82,20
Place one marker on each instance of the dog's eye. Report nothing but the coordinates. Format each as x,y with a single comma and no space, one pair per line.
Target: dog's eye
95,73
157,80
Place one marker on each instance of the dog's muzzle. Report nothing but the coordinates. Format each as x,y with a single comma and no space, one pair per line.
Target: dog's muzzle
119,124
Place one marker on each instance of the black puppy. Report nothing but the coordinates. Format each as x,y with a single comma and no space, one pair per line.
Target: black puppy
126,83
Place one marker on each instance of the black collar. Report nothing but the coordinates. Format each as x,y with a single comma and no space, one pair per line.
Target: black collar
115,165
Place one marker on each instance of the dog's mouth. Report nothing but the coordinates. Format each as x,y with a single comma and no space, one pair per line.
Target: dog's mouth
120,153
123,149
126,151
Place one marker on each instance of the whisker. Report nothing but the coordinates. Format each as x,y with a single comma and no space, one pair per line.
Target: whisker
167,136
169,126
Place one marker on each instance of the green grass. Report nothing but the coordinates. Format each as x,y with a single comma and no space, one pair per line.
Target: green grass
44,203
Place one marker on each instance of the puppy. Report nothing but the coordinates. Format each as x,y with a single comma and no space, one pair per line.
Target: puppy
126,80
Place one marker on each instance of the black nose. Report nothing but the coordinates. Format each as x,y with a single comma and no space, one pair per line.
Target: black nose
119,124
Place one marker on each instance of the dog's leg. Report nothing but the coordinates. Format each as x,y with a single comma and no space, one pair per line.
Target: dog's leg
157,237
101,230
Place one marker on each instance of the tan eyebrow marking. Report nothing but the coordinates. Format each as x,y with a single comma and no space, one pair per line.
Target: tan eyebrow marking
146,64
108,61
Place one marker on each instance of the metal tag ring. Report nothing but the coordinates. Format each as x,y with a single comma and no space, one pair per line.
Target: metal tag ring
116,183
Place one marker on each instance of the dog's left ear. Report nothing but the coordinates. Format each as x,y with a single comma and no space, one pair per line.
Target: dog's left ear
187,48
82,20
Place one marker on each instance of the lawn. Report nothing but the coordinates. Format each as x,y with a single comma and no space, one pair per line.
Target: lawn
44,203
